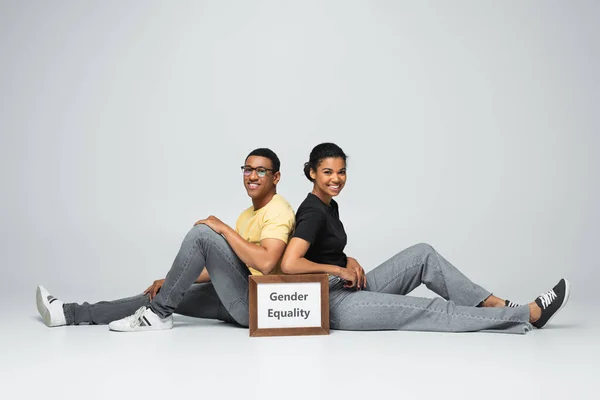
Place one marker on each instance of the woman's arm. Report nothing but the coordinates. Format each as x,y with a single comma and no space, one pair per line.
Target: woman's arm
294,262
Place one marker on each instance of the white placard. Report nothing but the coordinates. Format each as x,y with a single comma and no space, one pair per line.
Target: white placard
288,305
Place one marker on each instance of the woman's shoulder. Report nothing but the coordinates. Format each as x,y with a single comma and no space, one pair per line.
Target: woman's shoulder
311,204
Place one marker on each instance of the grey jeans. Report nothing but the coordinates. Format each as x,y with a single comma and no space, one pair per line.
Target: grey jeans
225,297
383,305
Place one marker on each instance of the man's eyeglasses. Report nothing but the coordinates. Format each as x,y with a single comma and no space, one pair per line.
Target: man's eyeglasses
260,171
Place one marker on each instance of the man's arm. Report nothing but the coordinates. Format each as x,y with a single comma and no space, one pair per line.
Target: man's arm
203,277
263,258
157,284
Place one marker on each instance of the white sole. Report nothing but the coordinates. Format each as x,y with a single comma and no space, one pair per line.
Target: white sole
42,307
142,329
567,294
126,328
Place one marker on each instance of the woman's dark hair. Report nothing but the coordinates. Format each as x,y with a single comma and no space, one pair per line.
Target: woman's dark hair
319,153
267,153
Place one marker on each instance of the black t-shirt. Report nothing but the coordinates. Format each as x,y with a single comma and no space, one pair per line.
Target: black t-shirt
319,224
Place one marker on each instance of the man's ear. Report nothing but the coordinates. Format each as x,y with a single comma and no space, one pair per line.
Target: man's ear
276,177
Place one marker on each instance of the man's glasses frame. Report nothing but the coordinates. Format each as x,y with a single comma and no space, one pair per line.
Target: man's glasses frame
260,171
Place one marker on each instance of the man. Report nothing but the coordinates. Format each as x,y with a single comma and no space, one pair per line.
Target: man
209,276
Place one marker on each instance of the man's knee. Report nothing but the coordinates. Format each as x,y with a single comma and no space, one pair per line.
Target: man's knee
201,231
423,248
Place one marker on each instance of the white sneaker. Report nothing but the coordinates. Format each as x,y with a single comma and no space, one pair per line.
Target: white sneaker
144,319
50,308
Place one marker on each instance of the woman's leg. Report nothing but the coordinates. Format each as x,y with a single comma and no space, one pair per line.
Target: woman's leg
367,310
422,264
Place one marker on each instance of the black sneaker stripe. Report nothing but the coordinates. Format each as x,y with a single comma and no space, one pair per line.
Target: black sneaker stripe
510,304
142,323
146,321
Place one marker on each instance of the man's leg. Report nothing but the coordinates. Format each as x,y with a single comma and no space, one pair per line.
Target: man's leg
201,301
103,312
202,247
422,264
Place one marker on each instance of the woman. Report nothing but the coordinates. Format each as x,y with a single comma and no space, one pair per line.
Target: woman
377,300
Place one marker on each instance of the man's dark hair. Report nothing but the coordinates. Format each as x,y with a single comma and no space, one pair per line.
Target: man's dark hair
267,153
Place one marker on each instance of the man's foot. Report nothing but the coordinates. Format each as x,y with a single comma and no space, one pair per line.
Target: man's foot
50,308
508,303
551,302
144,319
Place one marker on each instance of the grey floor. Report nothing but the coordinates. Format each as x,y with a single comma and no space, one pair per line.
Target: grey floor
209,359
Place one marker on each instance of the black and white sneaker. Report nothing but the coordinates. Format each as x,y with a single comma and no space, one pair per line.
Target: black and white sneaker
50,308
552,301
144,319
508,303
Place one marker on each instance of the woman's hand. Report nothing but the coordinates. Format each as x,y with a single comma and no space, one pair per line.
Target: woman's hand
349,276
361,278
154,288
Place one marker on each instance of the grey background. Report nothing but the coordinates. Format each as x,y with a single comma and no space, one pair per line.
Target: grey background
470,125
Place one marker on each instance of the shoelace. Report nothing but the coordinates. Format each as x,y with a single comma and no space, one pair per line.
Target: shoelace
547,298
137,317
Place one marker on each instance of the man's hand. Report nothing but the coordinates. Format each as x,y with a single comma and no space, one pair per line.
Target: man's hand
214,223
154,288
361,278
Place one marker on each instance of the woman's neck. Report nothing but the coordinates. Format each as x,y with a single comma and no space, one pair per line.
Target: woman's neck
325,198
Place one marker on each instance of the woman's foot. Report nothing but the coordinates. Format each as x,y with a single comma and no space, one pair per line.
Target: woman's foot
493,301
545,307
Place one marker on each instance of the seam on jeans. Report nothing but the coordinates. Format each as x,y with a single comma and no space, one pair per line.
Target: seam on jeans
436,311
392,279
182,269
441,272
225,255
236,301
437,270
128,299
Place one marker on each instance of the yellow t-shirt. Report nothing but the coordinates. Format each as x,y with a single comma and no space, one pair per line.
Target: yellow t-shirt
273,221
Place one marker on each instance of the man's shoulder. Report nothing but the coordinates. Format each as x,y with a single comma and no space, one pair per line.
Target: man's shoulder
278,205
246,212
